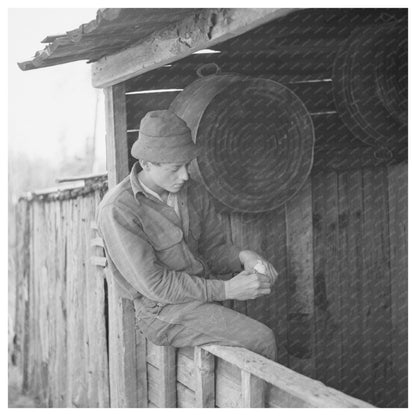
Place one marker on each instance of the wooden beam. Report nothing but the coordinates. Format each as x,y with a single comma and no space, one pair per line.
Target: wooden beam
199,31
167,368
116,134
315,393
204,378
252,390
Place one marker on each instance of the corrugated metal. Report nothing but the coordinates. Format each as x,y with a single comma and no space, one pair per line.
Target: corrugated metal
111,31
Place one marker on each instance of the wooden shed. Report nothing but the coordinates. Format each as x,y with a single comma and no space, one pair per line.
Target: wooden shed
339,309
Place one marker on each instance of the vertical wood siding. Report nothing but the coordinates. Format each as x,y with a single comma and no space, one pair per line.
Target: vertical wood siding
339,309
61,341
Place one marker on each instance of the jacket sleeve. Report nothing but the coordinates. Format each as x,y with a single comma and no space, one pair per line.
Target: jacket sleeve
132,254
221,255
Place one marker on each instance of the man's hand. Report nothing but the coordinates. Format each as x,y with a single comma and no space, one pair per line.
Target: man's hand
249,260
247,285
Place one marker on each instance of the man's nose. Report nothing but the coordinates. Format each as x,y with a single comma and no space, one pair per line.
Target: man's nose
183,173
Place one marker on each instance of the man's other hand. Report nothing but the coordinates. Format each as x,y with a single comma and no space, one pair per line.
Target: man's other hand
247,285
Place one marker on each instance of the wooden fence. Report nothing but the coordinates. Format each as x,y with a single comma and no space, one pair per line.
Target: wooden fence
60,342
77,344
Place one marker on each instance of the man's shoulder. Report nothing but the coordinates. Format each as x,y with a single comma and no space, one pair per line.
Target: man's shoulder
121,194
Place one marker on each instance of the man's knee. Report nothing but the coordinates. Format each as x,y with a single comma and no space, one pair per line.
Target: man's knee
263,341
268,343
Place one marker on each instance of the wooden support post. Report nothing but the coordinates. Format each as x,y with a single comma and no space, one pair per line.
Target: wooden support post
167,368
204,378
252,390
141,365
116,134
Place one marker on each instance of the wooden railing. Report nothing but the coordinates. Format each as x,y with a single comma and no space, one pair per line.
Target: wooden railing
228,377
78,344
143,374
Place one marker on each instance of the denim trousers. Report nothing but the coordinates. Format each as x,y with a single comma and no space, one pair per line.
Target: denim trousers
198,323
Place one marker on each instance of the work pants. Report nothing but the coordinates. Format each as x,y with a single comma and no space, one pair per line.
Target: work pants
197,323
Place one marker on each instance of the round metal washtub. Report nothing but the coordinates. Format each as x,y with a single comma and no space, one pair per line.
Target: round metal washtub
257,140
370,84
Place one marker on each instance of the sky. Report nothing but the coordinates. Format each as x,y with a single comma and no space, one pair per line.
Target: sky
51,110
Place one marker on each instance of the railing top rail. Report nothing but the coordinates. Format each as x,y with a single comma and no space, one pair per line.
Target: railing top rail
305,388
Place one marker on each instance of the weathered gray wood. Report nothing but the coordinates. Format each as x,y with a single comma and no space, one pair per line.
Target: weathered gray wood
227,392
116,134
252,390
154,385
63,224
200,31
128,353
22,260
76,306
152,354
204,378
327,285
350,279
122,351
167,368
305,388
98,383
53,394
185,368
114,358
186,397
398,183
141,373
377,287
300,277
276,304
276,397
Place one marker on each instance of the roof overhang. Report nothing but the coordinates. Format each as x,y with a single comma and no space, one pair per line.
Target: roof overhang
123,43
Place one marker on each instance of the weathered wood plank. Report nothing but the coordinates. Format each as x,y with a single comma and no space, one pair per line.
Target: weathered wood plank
252,390
154,385
116,134
61,303
167,368
275,397
23,256
199,31
398,183
152,354
276,304
305,388
76,299
141,373
185,368
115,363
98,382
204,378
300,276
327,295
51,212
350,275
227,391
377,287
128,353
186,397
